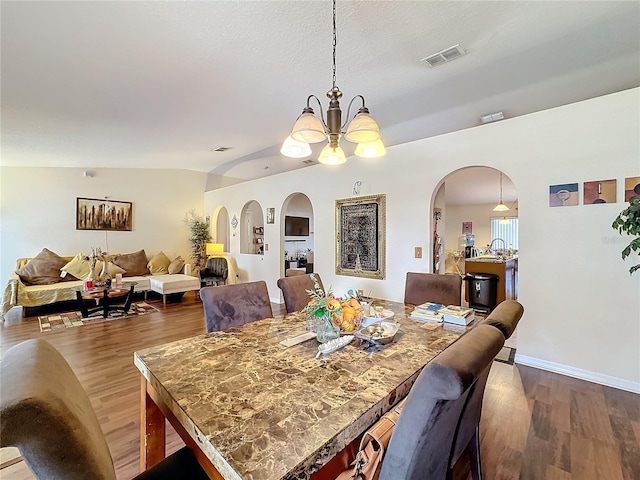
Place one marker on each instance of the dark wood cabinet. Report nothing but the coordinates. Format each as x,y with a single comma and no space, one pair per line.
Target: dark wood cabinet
507,272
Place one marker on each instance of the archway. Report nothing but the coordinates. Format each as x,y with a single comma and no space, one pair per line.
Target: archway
252,229
297,234
220,226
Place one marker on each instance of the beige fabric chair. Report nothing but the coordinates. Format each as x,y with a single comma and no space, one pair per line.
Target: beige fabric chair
48,416
433,287
294,290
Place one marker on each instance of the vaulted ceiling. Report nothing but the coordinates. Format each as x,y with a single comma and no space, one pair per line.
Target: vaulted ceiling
164,84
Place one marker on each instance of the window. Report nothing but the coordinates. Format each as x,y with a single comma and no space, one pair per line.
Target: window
505,228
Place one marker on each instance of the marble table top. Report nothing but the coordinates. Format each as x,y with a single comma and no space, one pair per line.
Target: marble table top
261,411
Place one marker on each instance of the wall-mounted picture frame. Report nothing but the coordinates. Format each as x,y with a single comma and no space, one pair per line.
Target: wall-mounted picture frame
361,236
599,191
103,214
271,214
631,188
563,195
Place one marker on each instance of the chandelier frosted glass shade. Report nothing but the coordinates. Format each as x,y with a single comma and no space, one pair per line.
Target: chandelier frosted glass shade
373,149
295,149
362,129
501,207
332,155
308,129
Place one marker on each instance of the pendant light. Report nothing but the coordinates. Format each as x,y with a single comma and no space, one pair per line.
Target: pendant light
308,128
501,207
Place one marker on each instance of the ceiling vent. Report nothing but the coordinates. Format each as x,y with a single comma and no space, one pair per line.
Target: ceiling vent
221,149
444,56
309,161
492,117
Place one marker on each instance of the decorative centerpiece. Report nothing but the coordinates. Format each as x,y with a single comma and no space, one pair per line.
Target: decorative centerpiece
330,314
95,278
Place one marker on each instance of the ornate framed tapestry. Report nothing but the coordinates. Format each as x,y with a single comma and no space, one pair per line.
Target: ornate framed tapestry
360,236
96,214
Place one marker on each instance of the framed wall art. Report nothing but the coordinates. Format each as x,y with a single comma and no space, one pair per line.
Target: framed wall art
360,236
599,191
103,214
271,214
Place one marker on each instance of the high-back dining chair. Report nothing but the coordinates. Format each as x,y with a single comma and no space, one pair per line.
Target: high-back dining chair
294,290
422,287
48,416
504,318
422,444
231,306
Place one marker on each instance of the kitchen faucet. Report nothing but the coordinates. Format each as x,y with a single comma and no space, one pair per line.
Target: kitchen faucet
504,245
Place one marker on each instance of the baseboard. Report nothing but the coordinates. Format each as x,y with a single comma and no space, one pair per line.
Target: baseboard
276,300
579,373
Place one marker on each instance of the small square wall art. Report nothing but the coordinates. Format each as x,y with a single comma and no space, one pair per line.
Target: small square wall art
599,191
563,195
631,188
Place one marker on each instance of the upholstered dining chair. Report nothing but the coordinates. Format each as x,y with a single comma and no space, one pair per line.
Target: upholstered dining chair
48,416
433,287
231,306
422,444
215,271
505,317
294,290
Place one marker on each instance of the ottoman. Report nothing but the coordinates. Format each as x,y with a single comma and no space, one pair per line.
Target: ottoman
177,283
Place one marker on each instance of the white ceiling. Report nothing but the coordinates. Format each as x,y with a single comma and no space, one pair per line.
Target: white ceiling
160,84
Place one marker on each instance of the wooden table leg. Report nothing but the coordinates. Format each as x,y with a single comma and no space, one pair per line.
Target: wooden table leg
152,430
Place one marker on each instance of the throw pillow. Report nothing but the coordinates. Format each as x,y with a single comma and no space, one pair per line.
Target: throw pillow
159,265
78,267
133,263
111,270
176,265
43,269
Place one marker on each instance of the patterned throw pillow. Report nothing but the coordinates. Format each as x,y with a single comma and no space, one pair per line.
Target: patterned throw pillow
159,264
43,269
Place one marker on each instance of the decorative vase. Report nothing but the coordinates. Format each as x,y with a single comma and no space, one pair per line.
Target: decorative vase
327,330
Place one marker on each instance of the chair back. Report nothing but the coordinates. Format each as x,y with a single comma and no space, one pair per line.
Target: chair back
505,317
433,287
48,416
422,443
294,290
231,306
216,267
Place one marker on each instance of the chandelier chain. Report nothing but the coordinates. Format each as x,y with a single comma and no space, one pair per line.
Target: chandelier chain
335,42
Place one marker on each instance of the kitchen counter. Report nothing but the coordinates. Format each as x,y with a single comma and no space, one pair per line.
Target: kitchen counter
505,269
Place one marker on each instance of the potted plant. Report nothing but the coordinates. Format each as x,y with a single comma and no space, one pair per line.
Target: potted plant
200,235
628,221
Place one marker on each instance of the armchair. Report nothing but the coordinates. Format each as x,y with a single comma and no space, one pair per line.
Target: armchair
215,271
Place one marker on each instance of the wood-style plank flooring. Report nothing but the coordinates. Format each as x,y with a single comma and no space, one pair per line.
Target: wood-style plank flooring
535,424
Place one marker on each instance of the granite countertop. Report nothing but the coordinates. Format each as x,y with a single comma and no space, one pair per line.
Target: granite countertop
264,412
491,259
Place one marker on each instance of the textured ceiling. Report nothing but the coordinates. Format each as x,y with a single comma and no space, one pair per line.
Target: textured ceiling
162,84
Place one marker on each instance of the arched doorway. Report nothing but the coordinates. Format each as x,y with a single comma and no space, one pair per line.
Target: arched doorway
220,227
252,229
297,235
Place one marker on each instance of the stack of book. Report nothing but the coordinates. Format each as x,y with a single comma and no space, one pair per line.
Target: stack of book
427,312
435,312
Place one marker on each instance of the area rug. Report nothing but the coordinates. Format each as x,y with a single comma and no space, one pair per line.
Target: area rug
506,355
49,323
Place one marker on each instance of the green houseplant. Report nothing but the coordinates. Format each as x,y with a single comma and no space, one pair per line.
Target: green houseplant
628,221
199,237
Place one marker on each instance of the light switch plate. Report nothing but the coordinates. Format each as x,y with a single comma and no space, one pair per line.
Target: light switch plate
418,252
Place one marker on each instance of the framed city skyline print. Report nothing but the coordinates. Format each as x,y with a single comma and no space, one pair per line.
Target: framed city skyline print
103,214
360,236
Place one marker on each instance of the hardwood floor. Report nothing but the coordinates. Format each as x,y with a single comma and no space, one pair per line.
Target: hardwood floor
535,424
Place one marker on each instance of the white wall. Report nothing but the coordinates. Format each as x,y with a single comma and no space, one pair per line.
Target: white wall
582,308
38,207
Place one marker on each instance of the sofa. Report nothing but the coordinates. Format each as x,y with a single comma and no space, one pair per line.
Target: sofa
49,278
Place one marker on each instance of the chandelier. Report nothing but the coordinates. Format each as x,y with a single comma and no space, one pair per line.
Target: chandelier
308,128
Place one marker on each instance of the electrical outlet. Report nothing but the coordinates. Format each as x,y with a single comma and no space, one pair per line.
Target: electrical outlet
418,252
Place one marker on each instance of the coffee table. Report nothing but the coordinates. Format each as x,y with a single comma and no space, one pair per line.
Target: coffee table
105,298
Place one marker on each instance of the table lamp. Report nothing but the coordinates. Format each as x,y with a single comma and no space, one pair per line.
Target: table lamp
214,249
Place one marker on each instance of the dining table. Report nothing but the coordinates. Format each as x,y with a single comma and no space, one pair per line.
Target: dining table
252,408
